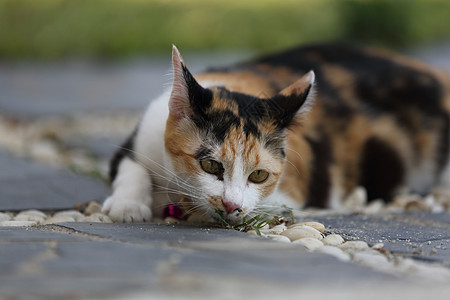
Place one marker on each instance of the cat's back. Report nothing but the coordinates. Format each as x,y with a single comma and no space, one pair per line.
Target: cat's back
380,120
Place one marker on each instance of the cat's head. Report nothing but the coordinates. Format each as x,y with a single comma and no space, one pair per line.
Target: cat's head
226,148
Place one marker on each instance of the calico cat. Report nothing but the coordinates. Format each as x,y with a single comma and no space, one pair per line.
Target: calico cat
298,128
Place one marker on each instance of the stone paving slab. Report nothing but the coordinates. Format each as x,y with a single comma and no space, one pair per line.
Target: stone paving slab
27,185
93,264
420,236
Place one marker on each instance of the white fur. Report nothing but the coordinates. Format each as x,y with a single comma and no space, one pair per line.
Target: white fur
130,201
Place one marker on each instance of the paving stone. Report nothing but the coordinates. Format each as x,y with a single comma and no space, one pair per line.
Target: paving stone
27,185
14,254
16,235
154,233
90,265
420,236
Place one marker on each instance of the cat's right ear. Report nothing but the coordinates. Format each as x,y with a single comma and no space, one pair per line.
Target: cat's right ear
187,95
179,99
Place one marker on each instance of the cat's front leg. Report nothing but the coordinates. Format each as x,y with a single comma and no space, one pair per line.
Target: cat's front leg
131,199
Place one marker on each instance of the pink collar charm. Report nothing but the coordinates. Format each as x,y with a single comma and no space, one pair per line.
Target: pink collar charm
174,211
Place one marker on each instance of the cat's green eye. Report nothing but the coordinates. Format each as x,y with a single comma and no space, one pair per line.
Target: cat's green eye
210,166
258,176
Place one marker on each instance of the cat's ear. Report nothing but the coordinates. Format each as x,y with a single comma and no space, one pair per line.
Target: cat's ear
296,100
187,95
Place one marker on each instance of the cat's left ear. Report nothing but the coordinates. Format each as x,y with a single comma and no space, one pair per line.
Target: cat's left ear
187,95
296,100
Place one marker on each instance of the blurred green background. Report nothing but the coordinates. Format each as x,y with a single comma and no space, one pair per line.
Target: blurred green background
56,29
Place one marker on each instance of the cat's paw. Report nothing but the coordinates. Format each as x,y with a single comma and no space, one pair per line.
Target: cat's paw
126,211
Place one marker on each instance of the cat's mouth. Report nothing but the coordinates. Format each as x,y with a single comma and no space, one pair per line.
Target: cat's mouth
199,214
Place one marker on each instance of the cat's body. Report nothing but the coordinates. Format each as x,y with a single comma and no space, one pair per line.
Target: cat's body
376,119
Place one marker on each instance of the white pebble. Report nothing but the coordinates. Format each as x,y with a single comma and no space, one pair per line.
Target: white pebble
18,223
310,244
378,246
278,238
358,198
33,212
316,225
334,251
97,218
4,217
255,233
92,208
374,207
333,240
74,214
31,215
278,229
300,232
171,220
372,259
417,206
62,219
354,246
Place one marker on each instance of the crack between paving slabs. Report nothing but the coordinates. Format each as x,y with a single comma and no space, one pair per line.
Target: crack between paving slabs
58,228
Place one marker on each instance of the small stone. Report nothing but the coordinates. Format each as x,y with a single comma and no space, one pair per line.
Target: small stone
278,238
357,198
334,251
97,218
316,225
372,259
75,215
61,219
300,232
92,208
333,240
374,207
310,244
354,246
171,220
417,206
4,217
255,233
278,229
31,215
33,212
18,223
378,246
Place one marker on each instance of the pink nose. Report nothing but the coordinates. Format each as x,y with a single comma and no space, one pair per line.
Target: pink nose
230,207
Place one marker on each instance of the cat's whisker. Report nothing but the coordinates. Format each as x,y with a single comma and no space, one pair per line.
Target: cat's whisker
299,155
162,168
288,161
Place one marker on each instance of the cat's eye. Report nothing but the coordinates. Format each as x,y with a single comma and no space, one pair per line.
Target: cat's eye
258,176
211,166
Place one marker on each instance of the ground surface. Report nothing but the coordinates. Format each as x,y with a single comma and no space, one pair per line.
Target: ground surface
99,260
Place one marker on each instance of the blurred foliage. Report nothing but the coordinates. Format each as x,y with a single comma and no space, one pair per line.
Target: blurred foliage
52,29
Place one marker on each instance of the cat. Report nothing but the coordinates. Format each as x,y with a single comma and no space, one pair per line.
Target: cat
303,127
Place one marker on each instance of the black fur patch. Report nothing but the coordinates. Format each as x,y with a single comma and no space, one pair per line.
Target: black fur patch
125,150
320,180
382,170
275,143
444,149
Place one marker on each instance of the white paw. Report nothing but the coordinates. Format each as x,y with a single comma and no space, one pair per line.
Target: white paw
126,211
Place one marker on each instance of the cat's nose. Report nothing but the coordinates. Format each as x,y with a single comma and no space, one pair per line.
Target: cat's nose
231,207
